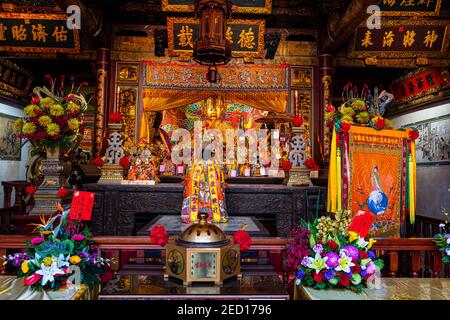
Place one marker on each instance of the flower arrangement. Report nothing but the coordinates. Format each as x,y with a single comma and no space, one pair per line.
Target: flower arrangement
243,239
357,110
52,121
311,164
297,121
50,257
158,235
443,238
286,165
325,255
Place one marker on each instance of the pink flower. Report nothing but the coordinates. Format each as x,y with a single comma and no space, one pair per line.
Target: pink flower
78,237
36,241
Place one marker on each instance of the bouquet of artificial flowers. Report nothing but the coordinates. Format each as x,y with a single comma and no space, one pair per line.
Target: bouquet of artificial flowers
443,239
61,247
326,255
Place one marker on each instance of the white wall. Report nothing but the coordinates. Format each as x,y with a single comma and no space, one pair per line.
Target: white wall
12,170
433,181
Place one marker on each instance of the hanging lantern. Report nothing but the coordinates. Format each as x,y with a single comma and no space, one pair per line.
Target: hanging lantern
212,47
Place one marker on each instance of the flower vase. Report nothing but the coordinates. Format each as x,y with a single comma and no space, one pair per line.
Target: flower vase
55,170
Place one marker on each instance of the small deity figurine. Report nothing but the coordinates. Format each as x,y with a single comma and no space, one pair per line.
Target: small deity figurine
135,169
148,171
204,191
167,167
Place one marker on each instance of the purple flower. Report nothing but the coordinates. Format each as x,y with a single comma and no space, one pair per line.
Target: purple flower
36,241
333,259
371,254
78,237
318,248
306,261
300,274
329,274
447,251
352,252
371,268
363,273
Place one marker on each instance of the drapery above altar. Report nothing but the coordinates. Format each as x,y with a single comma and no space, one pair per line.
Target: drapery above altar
174,85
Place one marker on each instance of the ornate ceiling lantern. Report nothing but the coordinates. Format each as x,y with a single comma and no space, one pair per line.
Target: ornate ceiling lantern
212,47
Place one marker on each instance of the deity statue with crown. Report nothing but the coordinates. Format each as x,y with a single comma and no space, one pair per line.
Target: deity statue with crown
204,191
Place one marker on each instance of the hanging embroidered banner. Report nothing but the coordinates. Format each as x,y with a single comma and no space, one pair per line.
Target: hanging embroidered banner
246,36
28,32
242,6
239,78
375,177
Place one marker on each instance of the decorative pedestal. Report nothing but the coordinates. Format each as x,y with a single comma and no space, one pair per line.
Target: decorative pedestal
55,171
299,175
112,172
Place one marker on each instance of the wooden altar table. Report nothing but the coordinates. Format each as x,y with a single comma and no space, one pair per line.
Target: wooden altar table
116,206
390,289
139,287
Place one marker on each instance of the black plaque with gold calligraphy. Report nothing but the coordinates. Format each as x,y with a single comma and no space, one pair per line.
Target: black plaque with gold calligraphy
246,36
24,32
402,39
242,6
410,7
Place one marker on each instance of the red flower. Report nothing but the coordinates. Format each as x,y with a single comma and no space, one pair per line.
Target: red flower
345,127
356,268
363,254
333,245
62,192
318,277
344,280
124,162
297,121
286,165
158,235
380,123
310,163
30,190
35,100
30,280
115,117
330,108
98,162
243,238
413,135
316,168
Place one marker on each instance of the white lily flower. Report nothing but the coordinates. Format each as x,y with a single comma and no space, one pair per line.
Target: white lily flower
63,261
318,263
48,273
345,262
362,243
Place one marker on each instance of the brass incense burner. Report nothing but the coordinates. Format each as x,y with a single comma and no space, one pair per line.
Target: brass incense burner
202,253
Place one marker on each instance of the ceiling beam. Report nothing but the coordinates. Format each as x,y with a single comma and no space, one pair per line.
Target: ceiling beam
340,27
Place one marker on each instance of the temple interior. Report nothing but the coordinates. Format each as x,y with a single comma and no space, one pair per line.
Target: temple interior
224,149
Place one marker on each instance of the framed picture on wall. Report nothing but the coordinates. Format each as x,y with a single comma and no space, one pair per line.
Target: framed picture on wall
9,141
433,144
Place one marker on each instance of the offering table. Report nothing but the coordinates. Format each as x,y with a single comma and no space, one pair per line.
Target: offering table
116,206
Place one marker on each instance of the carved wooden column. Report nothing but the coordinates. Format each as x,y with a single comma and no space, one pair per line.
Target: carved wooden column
103,70
326,72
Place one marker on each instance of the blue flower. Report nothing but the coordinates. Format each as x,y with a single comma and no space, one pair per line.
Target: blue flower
363,273
329,274
371,254
300,274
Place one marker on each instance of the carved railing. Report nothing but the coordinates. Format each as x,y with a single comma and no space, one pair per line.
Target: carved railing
416,249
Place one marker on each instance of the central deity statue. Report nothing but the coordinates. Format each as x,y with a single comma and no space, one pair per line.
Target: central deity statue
204,191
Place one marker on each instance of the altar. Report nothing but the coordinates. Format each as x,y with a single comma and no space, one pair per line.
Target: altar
122,210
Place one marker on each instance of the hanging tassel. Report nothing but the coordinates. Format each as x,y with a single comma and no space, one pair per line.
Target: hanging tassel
332,182
338,181
412,183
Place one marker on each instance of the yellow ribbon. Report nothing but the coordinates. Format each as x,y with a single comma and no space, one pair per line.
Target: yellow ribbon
412,183
332,178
